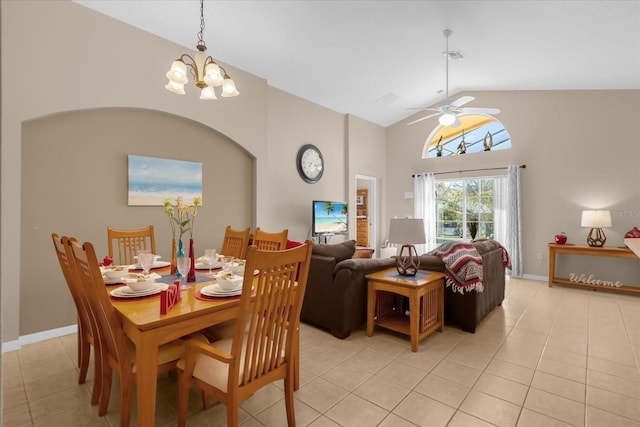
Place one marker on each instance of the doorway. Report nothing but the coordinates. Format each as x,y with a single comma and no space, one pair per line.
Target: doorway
366,212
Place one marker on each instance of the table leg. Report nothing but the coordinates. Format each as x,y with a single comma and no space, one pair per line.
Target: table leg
552,266
146,377
371,308
441,305
414,318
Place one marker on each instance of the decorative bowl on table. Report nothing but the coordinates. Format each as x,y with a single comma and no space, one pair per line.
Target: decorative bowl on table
140,283
561,238
229,281
238,267
116,272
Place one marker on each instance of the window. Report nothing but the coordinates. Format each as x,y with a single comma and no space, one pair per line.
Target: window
464,209
476,133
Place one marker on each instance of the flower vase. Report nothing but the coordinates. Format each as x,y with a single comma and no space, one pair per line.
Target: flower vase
174,257
191,276
180,255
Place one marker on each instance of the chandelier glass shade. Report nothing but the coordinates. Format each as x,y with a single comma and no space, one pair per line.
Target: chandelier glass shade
204,70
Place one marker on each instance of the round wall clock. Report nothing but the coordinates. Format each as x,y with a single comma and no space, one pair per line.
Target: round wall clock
310,163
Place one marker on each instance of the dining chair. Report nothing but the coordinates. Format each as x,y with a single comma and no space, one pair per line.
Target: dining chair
266,241
235,242
116,351
86,326
129,242
265,344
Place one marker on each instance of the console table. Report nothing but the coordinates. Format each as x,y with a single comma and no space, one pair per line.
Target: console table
606,251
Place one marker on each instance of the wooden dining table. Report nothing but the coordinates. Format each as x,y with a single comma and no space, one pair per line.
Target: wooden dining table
148,329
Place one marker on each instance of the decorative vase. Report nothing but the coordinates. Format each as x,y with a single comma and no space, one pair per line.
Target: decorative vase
180,255
174,257
561,238
191,276
634,233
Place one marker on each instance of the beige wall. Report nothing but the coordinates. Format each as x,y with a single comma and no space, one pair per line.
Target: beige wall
93,62
581,152
74,182
578,146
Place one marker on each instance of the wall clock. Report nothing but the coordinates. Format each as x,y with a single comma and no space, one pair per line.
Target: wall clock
310,163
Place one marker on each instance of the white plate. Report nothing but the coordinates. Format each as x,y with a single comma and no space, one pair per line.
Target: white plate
156,264
205,266
216,291
126,292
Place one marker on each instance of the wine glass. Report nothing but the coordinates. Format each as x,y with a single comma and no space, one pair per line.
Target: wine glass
184,264
227,264
210,257
145,259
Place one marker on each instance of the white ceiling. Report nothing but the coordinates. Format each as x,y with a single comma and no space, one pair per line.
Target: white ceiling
376,59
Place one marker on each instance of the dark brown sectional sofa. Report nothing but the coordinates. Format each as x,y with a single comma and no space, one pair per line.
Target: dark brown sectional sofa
336,294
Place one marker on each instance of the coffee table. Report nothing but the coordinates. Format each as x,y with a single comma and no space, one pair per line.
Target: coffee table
385,308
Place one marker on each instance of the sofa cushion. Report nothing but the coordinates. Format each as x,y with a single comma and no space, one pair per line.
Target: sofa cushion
339,251
293,244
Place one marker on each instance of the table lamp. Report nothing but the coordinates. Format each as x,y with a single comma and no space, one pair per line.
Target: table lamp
407,232
596,220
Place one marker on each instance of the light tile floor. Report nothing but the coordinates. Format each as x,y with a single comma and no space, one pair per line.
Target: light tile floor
547,357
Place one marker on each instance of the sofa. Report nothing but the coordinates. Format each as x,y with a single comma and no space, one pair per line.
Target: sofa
468,309
336,295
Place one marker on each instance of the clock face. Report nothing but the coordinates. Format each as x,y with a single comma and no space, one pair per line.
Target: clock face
310,163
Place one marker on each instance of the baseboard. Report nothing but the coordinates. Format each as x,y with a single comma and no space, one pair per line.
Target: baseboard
38,336
535,277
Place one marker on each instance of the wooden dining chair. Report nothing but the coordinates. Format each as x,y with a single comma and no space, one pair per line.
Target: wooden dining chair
264,346
129,242
266,241
86,325
116,351
235,242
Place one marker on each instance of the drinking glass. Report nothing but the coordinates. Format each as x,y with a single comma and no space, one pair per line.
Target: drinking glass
184,264
227,264
210,257
145,259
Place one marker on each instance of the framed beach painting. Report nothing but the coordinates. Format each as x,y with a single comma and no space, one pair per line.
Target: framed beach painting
153,180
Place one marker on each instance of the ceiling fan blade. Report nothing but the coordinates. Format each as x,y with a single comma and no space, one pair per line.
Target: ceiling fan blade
462,100
422,118
481,110
423,109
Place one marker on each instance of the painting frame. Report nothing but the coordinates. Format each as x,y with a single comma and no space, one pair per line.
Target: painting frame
152,180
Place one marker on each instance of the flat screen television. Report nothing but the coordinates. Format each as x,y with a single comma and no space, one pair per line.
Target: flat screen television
329,218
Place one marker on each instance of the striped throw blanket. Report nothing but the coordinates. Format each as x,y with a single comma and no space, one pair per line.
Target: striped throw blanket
463,266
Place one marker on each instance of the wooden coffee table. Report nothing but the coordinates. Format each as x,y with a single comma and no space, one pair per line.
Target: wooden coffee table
425,291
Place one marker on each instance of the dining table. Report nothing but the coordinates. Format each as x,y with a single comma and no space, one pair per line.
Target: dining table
148,329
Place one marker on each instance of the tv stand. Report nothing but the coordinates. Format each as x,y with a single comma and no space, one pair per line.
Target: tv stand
323,239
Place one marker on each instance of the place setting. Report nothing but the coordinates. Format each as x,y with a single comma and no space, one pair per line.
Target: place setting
139,285
228,282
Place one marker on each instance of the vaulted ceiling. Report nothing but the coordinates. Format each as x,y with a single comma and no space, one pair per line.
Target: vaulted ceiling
377,59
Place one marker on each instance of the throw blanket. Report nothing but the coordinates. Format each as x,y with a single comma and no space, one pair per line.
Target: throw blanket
463,266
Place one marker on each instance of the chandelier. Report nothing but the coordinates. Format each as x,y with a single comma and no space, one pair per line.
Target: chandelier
203,68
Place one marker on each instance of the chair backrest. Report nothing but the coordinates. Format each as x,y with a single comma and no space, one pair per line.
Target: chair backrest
75,286
235,242
129,242
269,312
266,241
113,342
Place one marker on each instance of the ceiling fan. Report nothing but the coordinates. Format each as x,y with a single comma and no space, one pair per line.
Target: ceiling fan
448,111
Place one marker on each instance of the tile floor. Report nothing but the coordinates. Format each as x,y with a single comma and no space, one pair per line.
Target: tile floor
547,357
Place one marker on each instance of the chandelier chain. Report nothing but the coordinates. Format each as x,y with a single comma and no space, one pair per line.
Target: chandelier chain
201,33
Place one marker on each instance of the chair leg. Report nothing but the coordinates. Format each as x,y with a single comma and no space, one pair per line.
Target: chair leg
183,398
105,392
232,414
288,400
126,393
97,378
84,352
205,401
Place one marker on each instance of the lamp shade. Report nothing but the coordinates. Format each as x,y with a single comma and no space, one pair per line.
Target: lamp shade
447,119
407,231
596,219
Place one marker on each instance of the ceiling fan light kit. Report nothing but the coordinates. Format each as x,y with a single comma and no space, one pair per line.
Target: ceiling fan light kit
449,112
